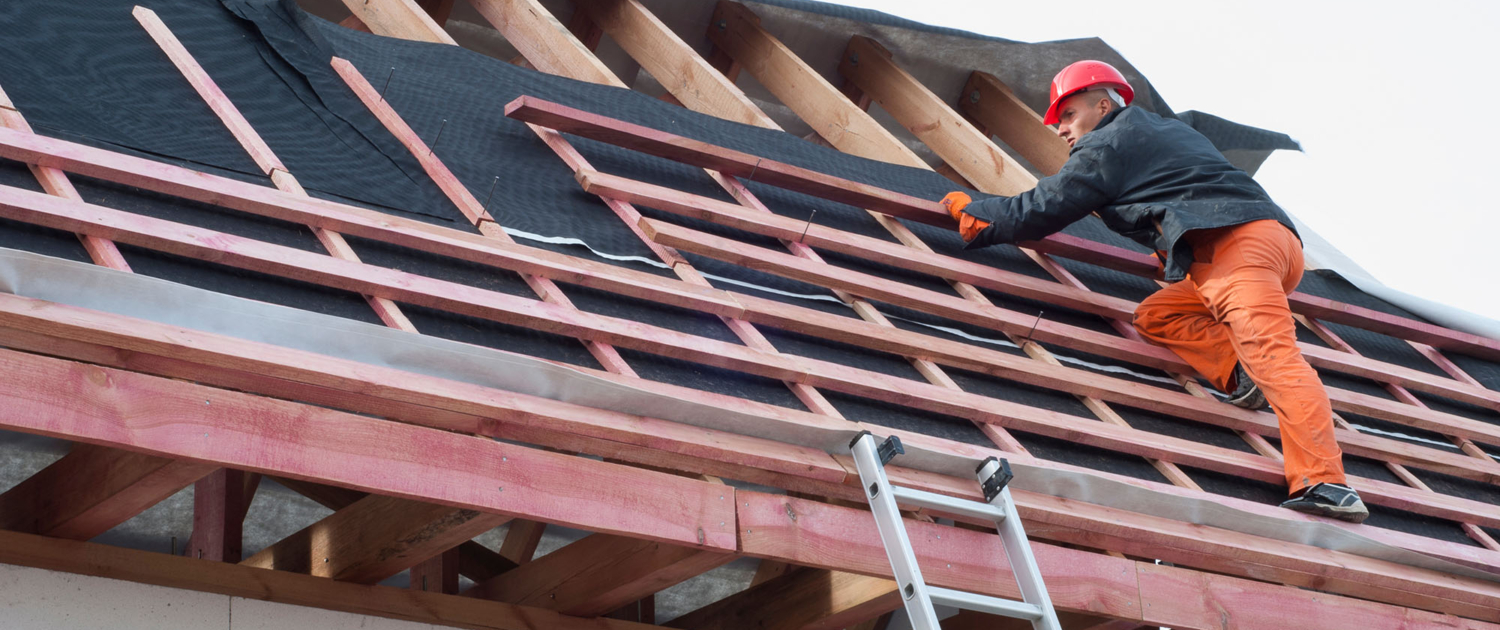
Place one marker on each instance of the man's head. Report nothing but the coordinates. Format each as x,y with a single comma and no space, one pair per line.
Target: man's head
1080,113
1088,90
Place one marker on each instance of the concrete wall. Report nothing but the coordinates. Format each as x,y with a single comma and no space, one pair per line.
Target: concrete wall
37,599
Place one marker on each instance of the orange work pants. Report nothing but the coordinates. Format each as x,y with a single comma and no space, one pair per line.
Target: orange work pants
1232,309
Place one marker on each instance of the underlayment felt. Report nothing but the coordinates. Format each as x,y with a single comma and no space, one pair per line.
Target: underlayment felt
536,196
103,81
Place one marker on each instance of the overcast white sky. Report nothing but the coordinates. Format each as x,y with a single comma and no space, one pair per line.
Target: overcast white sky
1395,104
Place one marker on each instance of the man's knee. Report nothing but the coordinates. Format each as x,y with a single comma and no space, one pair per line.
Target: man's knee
1150,316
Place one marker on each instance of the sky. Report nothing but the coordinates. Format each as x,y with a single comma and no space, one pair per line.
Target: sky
1395,105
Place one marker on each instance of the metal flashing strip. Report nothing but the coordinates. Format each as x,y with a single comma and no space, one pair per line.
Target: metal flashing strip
88,286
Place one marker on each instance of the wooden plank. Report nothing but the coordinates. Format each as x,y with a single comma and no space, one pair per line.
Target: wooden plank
541,39
400,18
144,338
55,182
674,64
91,490
373,539
288,588
992,104
735,31
163,417
803,599
868,65
598,574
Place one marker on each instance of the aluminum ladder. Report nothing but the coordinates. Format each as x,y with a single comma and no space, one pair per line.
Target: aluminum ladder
918,597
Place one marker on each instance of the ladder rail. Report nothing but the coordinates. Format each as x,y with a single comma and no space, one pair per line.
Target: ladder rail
918,597
915,595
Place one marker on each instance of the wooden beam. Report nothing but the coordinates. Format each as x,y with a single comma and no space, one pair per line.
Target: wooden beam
673,63
475,561
91,490
802,599
401,18
373,539
141,341
736,31
541,39
521,541
992,104
288,588
163,417
598,574
439,10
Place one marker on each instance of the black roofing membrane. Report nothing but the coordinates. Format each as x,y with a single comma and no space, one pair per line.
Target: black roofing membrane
274,65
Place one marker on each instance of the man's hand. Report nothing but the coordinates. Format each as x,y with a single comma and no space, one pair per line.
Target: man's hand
968,225
954,203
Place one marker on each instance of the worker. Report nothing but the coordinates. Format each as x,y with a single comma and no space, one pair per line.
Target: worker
1231,253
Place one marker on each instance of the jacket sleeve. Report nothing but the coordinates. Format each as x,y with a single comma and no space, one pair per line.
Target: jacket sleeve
1083,185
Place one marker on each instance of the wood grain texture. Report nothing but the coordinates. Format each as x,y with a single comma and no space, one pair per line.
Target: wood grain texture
598,574
91,490
373,539
175,419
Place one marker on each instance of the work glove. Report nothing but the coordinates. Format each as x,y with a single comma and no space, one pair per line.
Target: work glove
969,226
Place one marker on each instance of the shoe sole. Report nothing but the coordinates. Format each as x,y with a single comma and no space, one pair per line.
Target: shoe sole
1354,513
1252,400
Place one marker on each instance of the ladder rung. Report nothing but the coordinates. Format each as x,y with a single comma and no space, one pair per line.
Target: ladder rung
984,603
950,505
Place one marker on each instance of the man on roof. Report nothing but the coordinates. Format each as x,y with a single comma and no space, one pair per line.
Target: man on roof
1231,253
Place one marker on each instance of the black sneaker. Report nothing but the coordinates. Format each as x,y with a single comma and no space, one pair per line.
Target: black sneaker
1246,393
1331,500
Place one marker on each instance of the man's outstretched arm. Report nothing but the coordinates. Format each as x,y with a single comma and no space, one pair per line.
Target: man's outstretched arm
1081,187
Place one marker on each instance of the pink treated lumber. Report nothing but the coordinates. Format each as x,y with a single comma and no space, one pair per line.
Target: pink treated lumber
175,419
234,251
217,101
433,402
663,144
444,178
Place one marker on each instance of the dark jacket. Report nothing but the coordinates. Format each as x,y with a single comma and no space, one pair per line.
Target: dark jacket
1135,169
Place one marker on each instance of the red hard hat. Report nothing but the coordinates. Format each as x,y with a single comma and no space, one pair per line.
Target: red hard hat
1084,75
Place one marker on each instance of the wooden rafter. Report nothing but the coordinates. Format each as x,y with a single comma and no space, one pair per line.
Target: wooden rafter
598,574
373,539
91,490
